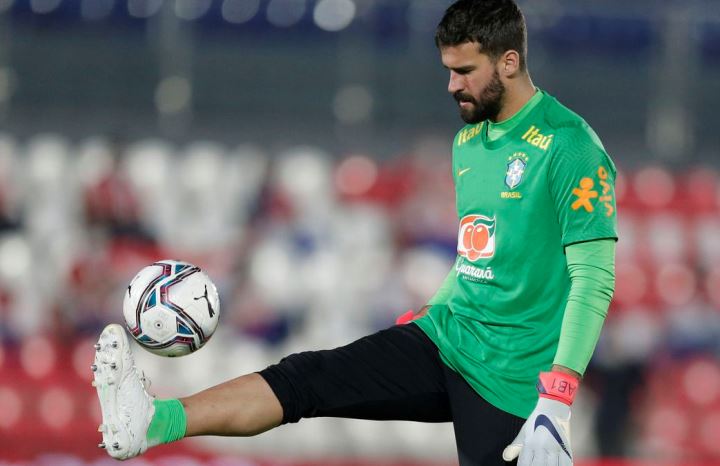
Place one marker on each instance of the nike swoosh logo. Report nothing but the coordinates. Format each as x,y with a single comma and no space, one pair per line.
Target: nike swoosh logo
543,420
463,171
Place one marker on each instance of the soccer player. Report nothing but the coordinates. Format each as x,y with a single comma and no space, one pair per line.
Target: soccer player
499,351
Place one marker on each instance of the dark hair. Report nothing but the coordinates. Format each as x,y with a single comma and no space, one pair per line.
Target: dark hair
497,25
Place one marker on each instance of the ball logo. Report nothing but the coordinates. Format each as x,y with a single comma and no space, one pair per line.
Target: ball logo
476,238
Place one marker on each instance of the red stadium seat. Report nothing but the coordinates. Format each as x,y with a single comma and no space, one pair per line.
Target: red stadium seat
675,284
56,407
654,187
701,382
38,357
11,407
712,287
631,284
700,191
709,433
666,237
667,430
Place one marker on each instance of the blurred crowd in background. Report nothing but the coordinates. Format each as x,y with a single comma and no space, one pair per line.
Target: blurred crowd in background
299,152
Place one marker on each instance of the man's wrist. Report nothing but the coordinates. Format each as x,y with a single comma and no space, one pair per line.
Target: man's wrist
566,370
559,386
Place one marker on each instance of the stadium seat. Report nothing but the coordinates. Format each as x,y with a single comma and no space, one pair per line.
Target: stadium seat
676,284
654,187
701,382
666,236
705,238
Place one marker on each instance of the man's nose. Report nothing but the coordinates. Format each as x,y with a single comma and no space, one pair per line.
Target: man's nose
456,83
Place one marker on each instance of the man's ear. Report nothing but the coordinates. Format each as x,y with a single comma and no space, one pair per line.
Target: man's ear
509,63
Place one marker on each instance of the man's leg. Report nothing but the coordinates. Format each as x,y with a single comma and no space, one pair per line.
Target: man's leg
393,374
240,407
482,431
134,421
352,382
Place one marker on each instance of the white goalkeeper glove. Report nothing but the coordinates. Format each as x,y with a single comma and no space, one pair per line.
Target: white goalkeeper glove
545,437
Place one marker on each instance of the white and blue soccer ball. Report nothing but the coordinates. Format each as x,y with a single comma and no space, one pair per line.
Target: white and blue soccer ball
171,308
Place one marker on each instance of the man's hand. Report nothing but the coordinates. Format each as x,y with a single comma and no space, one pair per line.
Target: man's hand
545,437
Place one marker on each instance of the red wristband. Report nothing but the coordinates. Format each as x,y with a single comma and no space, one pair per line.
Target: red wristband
558,386
405,318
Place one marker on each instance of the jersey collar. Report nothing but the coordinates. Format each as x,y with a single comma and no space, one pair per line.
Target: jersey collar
512,124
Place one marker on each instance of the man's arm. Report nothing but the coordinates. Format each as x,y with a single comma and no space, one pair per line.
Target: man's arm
592,280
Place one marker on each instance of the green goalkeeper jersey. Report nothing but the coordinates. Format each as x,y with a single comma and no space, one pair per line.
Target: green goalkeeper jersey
521,198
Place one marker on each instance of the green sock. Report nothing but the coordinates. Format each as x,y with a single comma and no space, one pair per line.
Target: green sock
168,424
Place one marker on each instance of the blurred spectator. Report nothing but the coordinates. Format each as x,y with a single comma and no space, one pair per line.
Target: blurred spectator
8,219
111,204
6,303
90,300
631,336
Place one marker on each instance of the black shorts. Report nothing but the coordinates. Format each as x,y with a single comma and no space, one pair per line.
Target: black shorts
395,374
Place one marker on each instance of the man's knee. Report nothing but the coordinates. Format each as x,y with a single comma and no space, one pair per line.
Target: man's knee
292,381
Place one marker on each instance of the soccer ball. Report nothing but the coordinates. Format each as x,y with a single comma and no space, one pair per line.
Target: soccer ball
171,308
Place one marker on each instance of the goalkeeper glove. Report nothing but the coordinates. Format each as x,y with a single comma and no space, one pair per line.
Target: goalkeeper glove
545,436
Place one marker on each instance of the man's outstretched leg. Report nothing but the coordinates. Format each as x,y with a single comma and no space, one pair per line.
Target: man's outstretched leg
240,407
133,420
395,373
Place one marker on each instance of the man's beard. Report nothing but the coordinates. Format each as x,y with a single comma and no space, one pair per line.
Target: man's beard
489,105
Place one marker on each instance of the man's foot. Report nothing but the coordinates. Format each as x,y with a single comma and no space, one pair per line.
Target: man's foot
127,407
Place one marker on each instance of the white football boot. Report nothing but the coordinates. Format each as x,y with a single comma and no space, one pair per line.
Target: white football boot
127,407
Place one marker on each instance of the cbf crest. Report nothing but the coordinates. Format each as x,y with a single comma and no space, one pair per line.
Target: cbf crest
515,169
